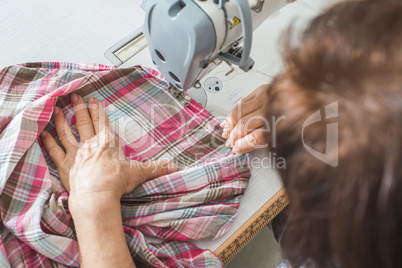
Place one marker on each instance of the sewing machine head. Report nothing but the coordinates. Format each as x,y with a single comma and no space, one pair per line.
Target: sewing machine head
189,38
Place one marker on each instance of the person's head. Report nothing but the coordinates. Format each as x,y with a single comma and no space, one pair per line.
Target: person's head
349,215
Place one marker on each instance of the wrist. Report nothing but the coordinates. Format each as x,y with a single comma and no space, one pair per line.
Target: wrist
100,235
93,206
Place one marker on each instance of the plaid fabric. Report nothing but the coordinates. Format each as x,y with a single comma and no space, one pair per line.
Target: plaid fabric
199,201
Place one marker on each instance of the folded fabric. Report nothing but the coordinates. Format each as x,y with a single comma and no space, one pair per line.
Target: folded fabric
199,201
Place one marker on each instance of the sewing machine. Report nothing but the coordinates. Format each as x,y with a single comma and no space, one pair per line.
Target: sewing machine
187,39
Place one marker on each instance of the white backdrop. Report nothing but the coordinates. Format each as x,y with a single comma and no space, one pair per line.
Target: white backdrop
69,30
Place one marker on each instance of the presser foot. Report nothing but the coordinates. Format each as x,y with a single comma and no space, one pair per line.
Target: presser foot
182,97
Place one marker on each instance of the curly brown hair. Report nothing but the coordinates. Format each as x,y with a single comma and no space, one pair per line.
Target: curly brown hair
349,215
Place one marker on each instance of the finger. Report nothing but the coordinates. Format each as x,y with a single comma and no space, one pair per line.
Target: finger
246,125
53,149
83,120
154,169
249,97
63,130
245,106
255,140
98,115
150,170
242,109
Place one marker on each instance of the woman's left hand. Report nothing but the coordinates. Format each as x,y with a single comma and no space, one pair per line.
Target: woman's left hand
95,168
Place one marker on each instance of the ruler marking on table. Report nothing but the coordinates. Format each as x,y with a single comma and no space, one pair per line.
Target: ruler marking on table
266,216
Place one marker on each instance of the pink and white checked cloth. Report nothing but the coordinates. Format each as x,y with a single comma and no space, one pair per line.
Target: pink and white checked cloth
199,201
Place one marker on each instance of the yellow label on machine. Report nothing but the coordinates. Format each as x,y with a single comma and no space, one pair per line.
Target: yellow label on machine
236,21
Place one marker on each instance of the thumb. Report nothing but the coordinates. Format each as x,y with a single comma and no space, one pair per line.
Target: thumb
153,169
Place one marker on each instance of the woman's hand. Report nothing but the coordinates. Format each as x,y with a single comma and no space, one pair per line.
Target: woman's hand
97,174
95,168
246,125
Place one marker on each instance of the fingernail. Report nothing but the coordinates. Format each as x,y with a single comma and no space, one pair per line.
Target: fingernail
74,98
171,167
225,134
228,143
43,134
223,123
91,99
234,150
56,110
252,140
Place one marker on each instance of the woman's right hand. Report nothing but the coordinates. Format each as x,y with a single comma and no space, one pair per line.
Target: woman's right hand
246,125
